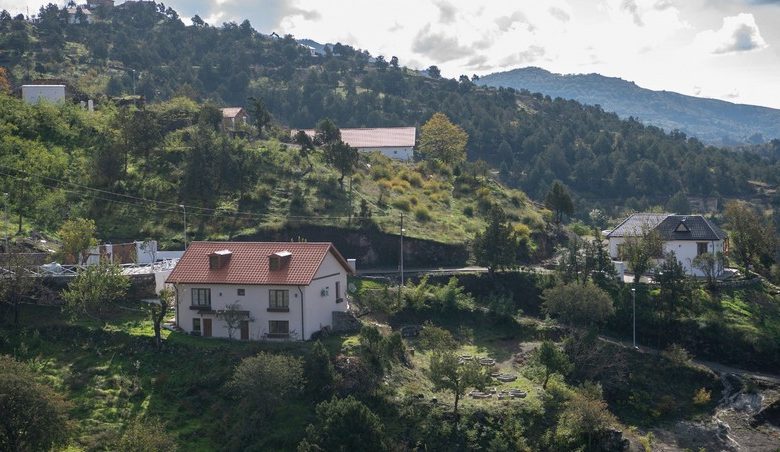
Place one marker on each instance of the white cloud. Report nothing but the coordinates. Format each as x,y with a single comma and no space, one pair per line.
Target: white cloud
660,44
738,34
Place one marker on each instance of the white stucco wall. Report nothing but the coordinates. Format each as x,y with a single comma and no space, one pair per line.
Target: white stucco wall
685,250
318,306
397,153
50,93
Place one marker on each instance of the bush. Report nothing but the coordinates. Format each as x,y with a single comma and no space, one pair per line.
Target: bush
468,211
35,413
146,436
433,338
344,425
402,204
414,178
422,214
265,380
678,355
702,397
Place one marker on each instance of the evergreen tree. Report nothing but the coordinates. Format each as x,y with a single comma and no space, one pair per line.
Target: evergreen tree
496,246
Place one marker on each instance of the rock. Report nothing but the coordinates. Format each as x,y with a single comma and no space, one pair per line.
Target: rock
769,415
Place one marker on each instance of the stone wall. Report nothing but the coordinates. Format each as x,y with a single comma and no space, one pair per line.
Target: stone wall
370,246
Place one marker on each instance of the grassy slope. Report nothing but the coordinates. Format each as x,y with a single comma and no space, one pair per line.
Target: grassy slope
113,374
435,206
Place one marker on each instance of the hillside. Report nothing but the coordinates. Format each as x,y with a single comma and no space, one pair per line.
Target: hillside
608,163
132,171
712,121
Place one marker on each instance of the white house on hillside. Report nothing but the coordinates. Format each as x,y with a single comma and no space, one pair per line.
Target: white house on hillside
36,93
393,142
279,290
686,235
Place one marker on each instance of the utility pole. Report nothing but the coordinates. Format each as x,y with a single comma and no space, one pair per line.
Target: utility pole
185,225
633,307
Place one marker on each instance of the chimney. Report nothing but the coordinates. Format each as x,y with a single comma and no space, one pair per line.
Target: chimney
279,260
219,259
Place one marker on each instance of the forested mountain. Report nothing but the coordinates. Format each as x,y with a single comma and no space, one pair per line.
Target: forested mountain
712,121
534,140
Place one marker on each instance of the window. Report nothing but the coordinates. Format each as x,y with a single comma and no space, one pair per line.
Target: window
196,326
701,248
338,290
278,328
278,300
241,292
201,297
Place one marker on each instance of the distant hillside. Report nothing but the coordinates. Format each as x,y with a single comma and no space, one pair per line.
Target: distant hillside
145,49
712,121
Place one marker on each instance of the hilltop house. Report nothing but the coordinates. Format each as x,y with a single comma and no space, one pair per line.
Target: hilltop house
278,290
78,14
233,119
686,235
393,142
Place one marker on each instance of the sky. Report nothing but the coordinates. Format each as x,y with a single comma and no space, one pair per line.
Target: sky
723,49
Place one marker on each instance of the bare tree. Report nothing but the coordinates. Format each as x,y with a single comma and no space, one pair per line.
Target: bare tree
232,315
640,251
710,264
158,309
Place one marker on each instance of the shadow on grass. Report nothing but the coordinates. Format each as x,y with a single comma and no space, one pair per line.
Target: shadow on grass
492,334
658,391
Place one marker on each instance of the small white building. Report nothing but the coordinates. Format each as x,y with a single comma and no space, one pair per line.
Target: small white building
686,235
393,142
73,15
33,94
279,290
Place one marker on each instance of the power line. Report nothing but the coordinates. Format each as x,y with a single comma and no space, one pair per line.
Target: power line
174,208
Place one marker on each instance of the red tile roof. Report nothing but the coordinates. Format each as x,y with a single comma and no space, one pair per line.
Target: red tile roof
374,137
249,263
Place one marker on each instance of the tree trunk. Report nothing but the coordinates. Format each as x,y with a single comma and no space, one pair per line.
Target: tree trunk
546,379
457,399
157,337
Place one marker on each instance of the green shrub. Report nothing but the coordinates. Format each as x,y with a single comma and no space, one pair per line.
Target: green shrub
468,211
402,204
414,179
422,214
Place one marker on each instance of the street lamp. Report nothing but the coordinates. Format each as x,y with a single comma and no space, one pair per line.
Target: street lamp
185,225
633,306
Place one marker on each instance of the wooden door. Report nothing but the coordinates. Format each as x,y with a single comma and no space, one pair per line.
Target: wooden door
245,330
206,327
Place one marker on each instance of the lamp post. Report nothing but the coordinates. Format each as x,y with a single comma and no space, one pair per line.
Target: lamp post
185,225
633,307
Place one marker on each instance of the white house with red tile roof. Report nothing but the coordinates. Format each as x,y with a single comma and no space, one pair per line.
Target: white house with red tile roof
279,290
394,142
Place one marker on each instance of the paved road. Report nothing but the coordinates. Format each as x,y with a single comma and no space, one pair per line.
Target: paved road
713,366
440,270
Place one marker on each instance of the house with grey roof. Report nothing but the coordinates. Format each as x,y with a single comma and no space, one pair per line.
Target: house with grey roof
687,236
